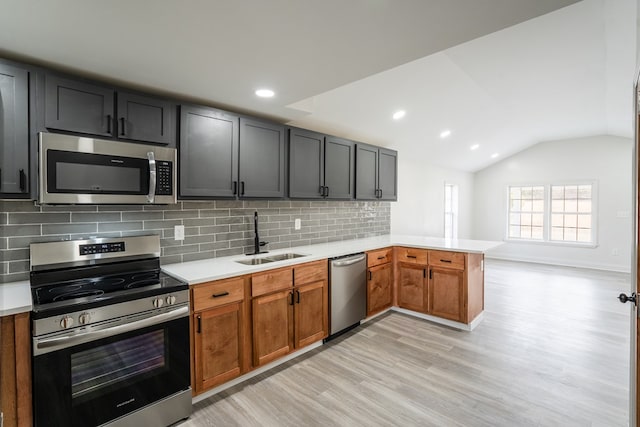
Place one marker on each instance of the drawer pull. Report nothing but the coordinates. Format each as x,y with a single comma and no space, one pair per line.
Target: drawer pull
382,257
221,294
411,256
448,261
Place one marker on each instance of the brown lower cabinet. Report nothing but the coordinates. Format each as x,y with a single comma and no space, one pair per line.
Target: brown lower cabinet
221,338
446,294
412,285
15,370
379,280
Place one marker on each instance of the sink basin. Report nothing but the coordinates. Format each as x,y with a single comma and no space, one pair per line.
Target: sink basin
282,257
268,259
255,261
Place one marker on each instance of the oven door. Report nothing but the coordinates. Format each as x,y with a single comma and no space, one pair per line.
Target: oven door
98,381
85,170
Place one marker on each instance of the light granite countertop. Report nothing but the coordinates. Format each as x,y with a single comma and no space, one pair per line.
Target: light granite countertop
15,297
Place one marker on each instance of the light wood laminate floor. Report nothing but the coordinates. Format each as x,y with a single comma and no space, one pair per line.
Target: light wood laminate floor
553,350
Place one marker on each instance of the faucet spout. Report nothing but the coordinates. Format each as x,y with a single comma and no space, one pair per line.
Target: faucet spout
256,240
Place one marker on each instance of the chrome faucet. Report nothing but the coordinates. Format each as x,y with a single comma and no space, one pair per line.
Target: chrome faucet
256,240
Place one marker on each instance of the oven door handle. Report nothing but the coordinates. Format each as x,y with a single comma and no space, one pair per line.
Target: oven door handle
152,177
42,346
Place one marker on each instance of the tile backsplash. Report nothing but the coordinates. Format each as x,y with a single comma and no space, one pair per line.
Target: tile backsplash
212,229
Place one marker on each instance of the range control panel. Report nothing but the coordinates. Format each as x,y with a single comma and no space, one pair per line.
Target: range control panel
101,248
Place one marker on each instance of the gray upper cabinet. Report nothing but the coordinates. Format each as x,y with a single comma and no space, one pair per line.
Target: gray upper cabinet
306,164
387,174
262,159
82,107
14,131
320,166
143,118
208,153
339,165
376,173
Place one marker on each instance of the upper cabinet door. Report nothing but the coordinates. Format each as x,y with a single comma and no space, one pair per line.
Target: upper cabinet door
366,172
388,174
262,159
144,118
306,159
208,153
339,164
78,107
14,130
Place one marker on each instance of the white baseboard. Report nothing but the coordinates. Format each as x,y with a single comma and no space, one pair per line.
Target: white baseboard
562,263
457,325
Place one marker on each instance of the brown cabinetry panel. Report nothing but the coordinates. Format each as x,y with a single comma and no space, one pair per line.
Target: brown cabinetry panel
218,293
378,257
446,259
218,345
446,294
379,288
310,272
412,287
15,370
272,326
412,255
310,313
271,281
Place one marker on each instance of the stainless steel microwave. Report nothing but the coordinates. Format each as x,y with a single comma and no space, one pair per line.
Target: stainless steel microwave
79,170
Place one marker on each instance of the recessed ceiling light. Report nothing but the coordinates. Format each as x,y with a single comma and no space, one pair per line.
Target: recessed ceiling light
494,155
445,133
399,114
474,147
265,93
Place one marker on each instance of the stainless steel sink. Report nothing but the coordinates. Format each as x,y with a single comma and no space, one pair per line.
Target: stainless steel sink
282,257
272,258
255,261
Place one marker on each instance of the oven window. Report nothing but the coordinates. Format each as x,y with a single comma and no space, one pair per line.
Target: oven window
97,178
109,364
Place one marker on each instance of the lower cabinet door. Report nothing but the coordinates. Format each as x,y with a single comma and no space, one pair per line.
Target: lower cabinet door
311,313
272,326
446,294
412,287
218,345
379,294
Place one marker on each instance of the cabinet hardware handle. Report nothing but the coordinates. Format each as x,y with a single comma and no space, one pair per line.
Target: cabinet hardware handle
123,131
242,188
411,256
291,295
448,261
322,191
297,296
424,272
221,294
370,277
199,324
326,191
235,187
430,274
381,257
379,193
23,180
108,123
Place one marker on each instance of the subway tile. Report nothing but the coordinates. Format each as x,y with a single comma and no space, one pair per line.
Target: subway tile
3,217
120,226
280,204
300,204
48,229
38,218
96,217
229,220
171,259
278,218
255,204
210,204
212,213
170,242
176,250
15,277
120,208
18,206
158,225
244,243
198,222
203,238
229,204
69,208
24,242
172,207
229,252
318,240
18,266
19,230
3,242
15,254
229,236
142,216
214,229
181,214
280,245
241,227
198,256
206,247
4,268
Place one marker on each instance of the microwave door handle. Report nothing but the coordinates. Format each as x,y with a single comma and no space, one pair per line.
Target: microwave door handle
152,177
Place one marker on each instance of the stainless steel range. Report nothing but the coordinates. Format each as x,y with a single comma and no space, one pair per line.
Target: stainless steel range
110,335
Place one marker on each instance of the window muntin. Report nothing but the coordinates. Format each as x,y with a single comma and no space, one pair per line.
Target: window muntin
526,212
571,213
450,211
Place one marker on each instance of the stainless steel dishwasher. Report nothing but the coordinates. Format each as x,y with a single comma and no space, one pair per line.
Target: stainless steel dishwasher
348,292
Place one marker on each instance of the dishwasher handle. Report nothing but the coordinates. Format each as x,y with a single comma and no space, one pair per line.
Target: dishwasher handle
347,261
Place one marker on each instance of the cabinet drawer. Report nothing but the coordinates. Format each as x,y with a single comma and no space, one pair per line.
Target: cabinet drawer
412,255
446,259
381,256
271,281
310,272
217,293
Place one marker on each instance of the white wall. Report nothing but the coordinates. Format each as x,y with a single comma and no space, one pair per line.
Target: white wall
420,206
607,160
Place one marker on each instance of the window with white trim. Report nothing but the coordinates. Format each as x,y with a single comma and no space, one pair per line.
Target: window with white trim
555,213
450,211
526,213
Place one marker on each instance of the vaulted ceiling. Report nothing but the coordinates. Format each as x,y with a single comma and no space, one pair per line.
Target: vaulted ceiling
503,74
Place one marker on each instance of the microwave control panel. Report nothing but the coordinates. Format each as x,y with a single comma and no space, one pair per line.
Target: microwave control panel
164,178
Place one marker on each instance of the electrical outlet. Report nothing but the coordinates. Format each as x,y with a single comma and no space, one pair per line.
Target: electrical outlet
178,232
297,224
